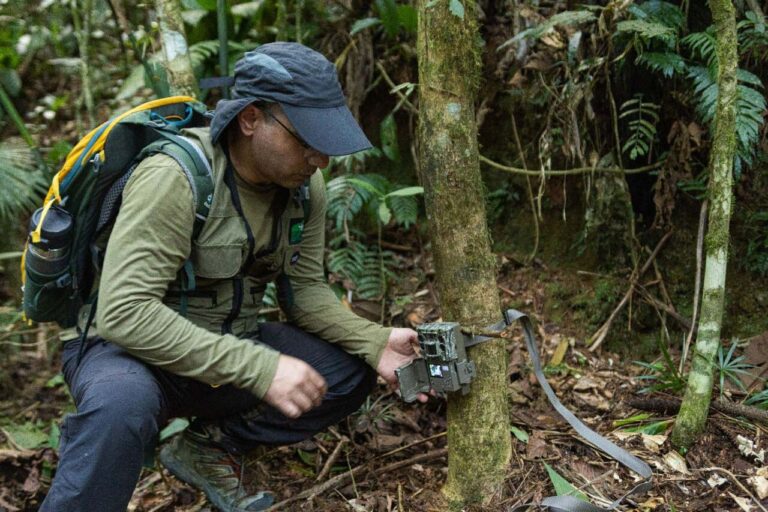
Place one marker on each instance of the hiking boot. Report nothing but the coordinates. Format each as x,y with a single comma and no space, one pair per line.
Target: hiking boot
196,460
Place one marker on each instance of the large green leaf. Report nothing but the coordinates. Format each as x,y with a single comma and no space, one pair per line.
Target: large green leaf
389,145
27,436
362,24
562,486
389,17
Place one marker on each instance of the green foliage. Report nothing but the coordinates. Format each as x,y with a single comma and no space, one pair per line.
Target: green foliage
347,195
643,118
648,31
730,367
562,486
662,375
23,184
759,399
749,109
657,11
564,18
391,16
367,269
753,37
666,63
756,257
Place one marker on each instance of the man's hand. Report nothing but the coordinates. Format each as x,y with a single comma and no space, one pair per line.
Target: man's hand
296,387
400,349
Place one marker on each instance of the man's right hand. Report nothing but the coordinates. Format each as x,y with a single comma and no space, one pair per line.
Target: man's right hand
296,387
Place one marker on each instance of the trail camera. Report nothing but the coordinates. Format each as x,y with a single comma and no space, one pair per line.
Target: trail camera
443,366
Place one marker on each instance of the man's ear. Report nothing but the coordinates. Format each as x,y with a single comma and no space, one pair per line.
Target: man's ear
248,118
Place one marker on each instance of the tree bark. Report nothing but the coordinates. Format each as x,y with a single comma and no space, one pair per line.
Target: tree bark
449,70
693,411
178,65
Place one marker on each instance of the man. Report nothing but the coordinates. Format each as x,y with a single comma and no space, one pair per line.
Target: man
245,383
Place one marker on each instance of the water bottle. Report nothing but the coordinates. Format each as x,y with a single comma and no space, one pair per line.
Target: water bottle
50,256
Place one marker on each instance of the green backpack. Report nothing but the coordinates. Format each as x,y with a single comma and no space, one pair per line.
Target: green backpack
61,259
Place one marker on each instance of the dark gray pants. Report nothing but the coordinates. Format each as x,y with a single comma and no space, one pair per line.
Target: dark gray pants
122,404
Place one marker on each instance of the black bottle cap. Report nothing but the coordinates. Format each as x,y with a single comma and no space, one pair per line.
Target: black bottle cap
57,227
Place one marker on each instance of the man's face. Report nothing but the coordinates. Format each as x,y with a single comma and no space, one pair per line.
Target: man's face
276,152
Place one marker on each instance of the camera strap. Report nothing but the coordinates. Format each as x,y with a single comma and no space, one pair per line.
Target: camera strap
568,503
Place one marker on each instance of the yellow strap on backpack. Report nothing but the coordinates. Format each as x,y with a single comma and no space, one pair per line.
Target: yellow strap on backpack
54,192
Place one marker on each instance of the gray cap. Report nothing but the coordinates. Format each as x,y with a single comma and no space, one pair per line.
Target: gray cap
307,88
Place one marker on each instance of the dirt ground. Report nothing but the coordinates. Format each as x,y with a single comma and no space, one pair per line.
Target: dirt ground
391,456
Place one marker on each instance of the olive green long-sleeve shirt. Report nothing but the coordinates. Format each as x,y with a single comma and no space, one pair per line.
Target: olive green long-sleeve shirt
151,240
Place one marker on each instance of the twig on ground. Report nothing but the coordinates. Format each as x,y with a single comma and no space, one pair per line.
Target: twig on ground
597,339
737,482
415,443
332,459
338,480
672,406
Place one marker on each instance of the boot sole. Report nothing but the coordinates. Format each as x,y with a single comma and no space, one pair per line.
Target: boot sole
181,471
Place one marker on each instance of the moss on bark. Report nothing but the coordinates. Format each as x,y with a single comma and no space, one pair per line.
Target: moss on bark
178,65
449,65
693,411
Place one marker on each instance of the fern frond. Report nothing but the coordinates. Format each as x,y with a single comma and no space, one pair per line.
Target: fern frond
753,36
23,184
405,209
643,118
666,63
704,44
648,31
662,12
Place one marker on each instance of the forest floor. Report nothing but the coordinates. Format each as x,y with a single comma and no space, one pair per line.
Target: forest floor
390,456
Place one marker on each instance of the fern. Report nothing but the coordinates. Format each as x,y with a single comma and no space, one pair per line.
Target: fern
666,63
660,12
361,266
749,109
23,184
753,37
348,195
559,19
649,31
704,44
644,117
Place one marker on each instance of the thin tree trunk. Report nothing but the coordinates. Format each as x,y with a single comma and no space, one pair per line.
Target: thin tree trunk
693,411
178,65
449,67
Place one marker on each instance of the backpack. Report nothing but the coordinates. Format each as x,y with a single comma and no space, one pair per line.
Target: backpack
61,258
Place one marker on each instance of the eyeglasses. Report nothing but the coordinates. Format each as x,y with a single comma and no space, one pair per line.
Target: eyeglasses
293,133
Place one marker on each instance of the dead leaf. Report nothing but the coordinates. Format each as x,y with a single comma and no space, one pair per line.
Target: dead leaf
676,462
537,445
716,480
598,402
585,383
560,351
696,131
760,484
32,482
743,503
653,442
747,448
553,40
386,442
652,503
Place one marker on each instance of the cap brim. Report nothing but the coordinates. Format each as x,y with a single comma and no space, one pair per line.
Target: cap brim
332,131
226,111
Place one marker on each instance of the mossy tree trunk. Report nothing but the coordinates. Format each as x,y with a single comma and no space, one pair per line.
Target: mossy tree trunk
479,442
693,411
178,65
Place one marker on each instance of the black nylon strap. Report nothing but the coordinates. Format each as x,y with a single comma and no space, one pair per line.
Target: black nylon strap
570,503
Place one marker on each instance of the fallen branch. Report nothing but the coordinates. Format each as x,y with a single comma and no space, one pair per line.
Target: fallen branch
672,406
341,479
597,339
332,459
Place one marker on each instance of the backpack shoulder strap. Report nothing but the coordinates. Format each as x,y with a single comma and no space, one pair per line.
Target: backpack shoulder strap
196,168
